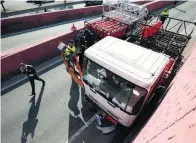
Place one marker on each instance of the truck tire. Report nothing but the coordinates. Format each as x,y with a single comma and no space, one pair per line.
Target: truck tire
158,94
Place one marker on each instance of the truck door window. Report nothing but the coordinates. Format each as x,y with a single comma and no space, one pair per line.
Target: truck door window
129,98
103,79
111,84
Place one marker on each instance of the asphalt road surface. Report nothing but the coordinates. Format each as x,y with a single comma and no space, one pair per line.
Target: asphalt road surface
58,112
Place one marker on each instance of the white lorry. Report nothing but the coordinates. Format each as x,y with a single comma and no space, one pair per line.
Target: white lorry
119,77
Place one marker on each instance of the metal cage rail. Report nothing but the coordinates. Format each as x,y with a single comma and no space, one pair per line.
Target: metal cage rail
124,11
171,38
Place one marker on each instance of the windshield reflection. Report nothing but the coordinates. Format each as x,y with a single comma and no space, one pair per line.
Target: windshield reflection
123,94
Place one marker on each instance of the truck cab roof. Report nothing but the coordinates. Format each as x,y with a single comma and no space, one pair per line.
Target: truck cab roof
134,63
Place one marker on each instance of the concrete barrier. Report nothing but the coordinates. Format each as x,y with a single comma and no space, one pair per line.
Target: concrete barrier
19,23
41,51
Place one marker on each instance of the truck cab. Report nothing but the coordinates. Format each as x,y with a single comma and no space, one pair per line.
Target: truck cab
120,77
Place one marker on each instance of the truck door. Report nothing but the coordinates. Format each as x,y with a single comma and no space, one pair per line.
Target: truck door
75,70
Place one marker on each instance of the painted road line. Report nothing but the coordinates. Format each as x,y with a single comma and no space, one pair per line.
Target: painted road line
70,140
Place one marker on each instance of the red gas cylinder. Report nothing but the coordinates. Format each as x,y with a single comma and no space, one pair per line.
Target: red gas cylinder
156,26
107,32
145,32
149,31
168,66
111,119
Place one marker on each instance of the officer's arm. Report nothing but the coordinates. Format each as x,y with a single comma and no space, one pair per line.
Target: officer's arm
32,68
71,50
22,71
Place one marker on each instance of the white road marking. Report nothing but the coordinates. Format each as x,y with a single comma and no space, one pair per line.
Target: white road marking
70,140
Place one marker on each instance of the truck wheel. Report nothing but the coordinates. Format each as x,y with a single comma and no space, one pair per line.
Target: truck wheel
161,95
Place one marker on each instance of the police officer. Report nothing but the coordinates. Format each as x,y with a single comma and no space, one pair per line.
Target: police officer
164,15
77,39
90,39
82,46
30,71
175,2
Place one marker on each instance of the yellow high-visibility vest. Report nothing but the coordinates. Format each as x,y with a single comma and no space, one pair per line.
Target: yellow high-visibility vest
165,13
67,51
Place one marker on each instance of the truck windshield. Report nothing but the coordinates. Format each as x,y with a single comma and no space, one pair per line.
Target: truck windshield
118,91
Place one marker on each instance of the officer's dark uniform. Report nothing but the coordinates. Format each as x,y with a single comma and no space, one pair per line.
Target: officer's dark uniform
32,75
82,46
84,40
90,40
175,2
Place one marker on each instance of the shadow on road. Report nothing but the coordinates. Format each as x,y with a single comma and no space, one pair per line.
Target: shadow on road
75,92
31,123
85,107
74,98
82,114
